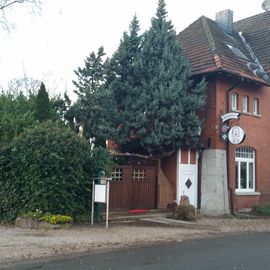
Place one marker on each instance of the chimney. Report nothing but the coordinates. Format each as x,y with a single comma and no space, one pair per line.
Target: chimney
224,19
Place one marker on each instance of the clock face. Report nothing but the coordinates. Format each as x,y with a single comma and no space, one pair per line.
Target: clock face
236,135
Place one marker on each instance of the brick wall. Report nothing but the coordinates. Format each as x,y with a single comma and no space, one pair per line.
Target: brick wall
257,130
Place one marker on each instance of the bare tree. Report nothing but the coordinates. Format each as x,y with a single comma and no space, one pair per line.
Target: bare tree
25,85
5,5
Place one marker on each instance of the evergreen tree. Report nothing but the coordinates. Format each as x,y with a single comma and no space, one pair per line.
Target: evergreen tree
42,108
90,109
123,82
142,97
91,76
161,108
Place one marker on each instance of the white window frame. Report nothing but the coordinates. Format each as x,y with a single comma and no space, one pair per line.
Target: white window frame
245,155
245,104
256,106
234,102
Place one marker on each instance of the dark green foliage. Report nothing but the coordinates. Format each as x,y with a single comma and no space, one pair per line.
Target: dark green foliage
185,212
124,84
164,111
156,102
16,114
48,168
263,210
91,108
43,108
142,98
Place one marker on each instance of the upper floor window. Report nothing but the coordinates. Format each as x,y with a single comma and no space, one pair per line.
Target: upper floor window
245,103
245,169
234,102
256,106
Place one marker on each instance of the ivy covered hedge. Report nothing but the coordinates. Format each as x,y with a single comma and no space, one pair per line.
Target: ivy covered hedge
48,168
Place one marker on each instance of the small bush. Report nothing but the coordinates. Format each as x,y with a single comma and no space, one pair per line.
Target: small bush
263,210
47,217
185,212
56,219
29,214
171,206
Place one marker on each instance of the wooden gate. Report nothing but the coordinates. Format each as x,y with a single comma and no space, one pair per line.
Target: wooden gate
133,187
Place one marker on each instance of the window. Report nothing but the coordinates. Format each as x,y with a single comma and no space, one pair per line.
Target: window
245,169
256,106
245,104
117,174
234,102
237,52
138,175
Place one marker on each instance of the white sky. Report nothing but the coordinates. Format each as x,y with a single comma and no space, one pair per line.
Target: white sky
50,46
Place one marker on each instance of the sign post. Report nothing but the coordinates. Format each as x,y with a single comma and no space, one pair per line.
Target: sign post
235,134
100,194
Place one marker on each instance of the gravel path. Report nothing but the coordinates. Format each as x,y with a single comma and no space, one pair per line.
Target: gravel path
19,244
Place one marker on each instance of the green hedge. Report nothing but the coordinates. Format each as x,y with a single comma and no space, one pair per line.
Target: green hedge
48,168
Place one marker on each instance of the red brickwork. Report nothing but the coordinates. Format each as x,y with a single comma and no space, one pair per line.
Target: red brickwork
257,129
193,156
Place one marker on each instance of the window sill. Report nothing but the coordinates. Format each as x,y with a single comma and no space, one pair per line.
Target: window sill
247,113
257,115
244,193
234,110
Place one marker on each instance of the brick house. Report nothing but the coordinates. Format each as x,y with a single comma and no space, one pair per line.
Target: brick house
234,58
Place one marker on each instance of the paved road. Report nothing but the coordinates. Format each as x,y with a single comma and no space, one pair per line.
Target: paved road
249,252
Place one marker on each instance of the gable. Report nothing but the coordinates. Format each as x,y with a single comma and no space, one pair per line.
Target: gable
209,48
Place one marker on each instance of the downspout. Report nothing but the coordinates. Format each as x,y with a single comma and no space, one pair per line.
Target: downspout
230,190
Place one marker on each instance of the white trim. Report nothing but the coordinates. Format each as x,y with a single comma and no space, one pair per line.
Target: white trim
245,104
246,160
234,101
181,168
255,106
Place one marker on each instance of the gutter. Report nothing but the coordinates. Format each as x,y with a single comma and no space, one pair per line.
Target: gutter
230,190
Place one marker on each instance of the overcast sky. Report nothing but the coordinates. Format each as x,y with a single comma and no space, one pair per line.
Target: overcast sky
51,45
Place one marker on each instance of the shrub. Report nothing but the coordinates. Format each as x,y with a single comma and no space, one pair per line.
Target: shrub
48,168
185,212
263,210
56,219
37,214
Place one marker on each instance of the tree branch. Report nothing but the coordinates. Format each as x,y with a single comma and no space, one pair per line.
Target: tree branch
5,4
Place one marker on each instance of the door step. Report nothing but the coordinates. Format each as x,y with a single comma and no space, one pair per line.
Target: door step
133,215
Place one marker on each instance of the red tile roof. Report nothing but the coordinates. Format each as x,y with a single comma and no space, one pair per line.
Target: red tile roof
205,45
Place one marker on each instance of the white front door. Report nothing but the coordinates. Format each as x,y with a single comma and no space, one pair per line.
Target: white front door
187,183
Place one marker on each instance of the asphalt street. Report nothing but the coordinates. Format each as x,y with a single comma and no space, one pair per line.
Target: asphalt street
238,252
